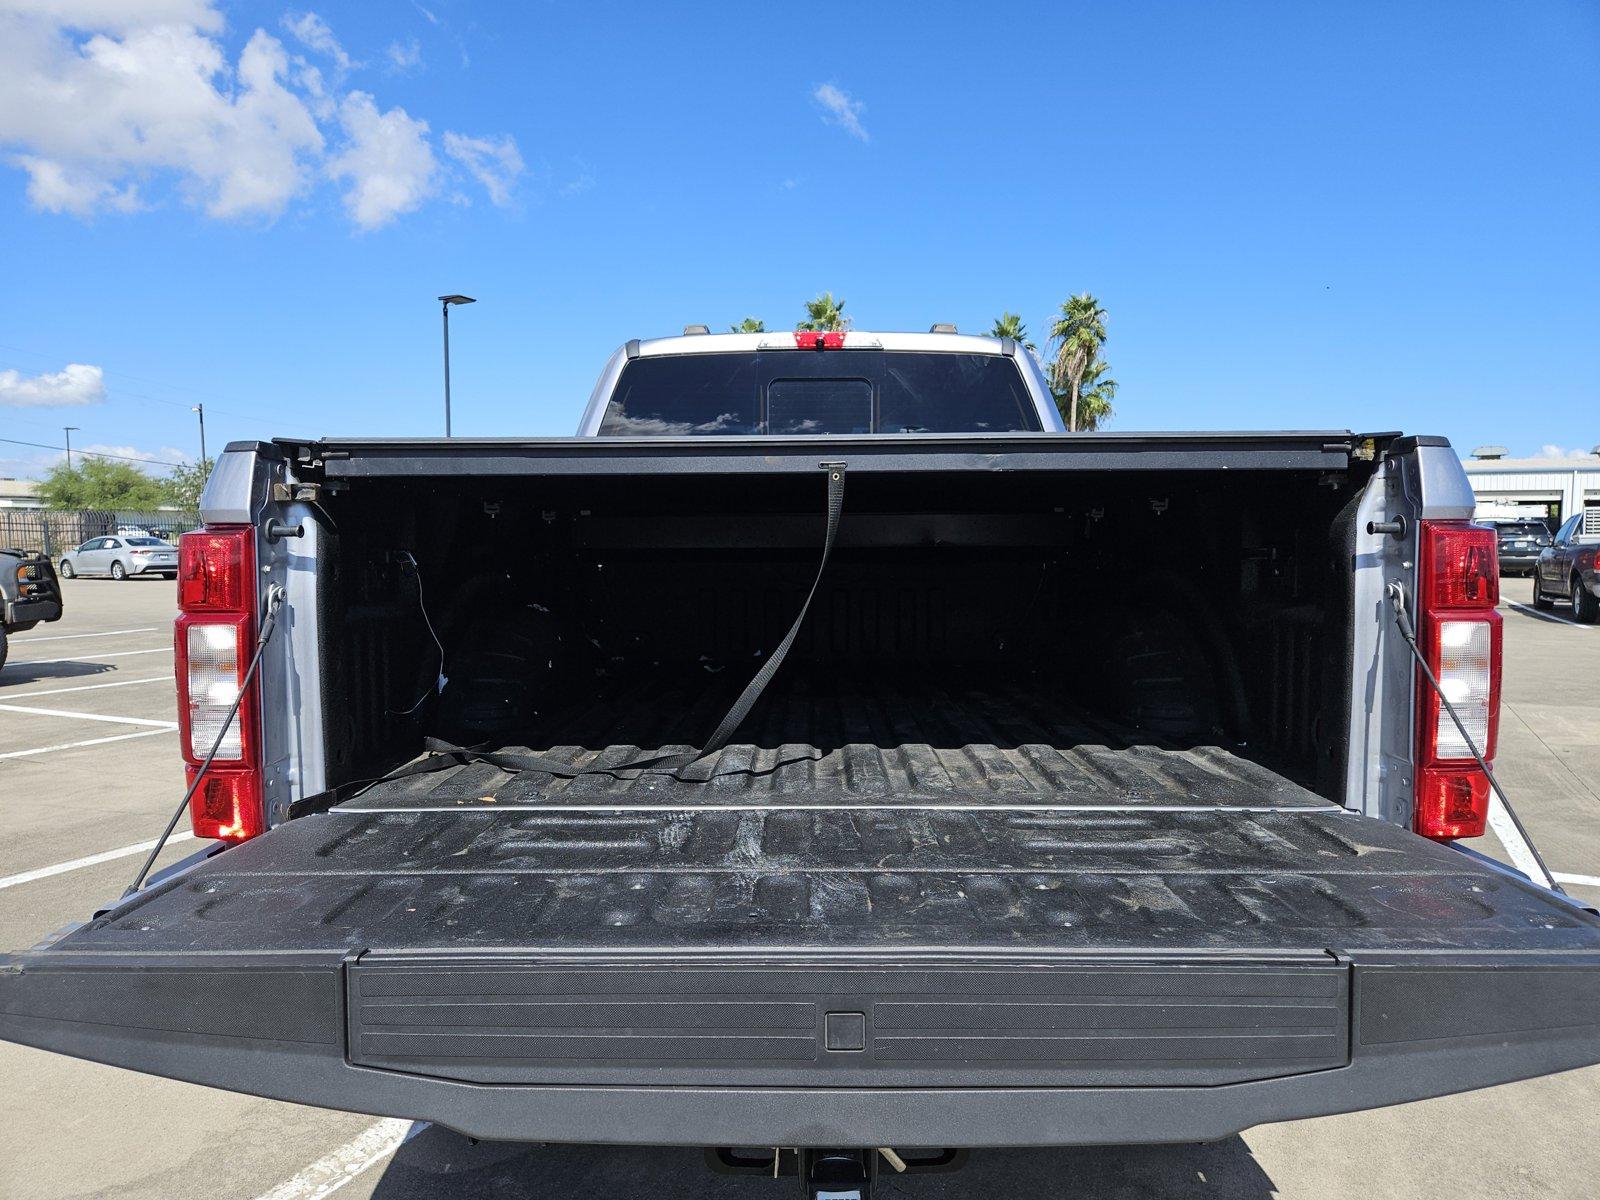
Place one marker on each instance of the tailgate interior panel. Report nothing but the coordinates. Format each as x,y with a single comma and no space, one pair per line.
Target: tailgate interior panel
774,975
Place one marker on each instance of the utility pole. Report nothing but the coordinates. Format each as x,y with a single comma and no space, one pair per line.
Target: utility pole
69,430
444,304
201,409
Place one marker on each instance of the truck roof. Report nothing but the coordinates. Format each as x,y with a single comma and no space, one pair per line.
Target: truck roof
804,341
782,339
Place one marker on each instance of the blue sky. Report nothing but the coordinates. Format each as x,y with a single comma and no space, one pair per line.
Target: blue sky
1371,215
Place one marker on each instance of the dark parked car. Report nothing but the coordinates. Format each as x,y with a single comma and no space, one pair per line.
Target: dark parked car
28,594
1570,569
1520,543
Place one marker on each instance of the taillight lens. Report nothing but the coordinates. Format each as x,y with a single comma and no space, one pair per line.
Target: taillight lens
227,804
214,569
1459,635
807,339
215,657
215,638
1460,566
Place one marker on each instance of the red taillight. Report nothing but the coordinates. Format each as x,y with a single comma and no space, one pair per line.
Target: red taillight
1459,635
1460,565
215,639
214,568
227,804
807,339
1451,804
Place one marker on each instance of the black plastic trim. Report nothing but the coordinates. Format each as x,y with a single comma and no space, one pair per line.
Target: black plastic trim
381,457
1463,1024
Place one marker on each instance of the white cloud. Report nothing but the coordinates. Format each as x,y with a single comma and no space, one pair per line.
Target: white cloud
578,184
312,32
387,160
107,104
93,117
404,56
839,109
119,15
77,384
493,161
167,454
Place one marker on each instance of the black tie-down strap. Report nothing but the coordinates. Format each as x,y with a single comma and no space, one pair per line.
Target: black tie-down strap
444,755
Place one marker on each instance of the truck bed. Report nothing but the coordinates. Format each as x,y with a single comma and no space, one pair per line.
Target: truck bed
859,740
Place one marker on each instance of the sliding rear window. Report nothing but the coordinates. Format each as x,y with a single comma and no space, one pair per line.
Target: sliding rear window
787,392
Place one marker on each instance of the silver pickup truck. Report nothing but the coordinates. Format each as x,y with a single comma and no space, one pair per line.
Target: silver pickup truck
823,750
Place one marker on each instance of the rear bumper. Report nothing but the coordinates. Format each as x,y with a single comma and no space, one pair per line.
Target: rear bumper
150,568
32,611
1389,1029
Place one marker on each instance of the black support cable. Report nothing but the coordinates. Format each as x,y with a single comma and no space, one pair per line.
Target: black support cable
1408,631
274,602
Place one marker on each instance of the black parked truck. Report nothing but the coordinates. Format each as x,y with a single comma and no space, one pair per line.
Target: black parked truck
29,594
802,757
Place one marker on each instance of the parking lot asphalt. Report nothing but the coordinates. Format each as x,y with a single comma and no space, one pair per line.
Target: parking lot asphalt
89,767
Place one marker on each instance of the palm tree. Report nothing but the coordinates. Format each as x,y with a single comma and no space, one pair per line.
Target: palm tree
1009,325
1094,397
749,325
1078,332
825,315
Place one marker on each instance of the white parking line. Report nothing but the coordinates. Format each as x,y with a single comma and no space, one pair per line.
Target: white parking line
121,737
1581,880
42,662
29,710
1557,618
90,687
62,637
91,860
332,1171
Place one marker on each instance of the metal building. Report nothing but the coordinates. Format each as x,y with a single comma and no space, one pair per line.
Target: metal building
1545,487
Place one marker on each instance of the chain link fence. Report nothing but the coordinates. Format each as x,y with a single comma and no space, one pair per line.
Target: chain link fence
54,533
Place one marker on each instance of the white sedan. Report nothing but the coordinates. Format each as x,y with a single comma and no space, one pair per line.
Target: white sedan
121,558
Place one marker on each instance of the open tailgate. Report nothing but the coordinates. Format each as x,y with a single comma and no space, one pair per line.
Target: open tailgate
872,974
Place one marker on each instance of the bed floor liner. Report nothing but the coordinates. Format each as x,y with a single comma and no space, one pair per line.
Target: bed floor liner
858,739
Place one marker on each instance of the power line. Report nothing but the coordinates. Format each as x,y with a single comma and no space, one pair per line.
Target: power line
160,462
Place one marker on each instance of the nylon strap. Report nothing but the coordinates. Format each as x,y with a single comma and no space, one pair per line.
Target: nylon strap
445,754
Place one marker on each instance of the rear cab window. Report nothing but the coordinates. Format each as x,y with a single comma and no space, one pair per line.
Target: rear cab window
788,392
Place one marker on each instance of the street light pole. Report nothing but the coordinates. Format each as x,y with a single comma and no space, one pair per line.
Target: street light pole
69,430
201,409
444,307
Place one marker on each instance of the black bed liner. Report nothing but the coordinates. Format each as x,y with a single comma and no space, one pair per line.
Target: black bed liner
842,739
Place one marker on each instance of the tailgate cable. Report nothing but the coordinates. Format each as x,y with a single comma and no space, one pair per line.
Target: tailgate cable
275,599
1408,631
444,755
